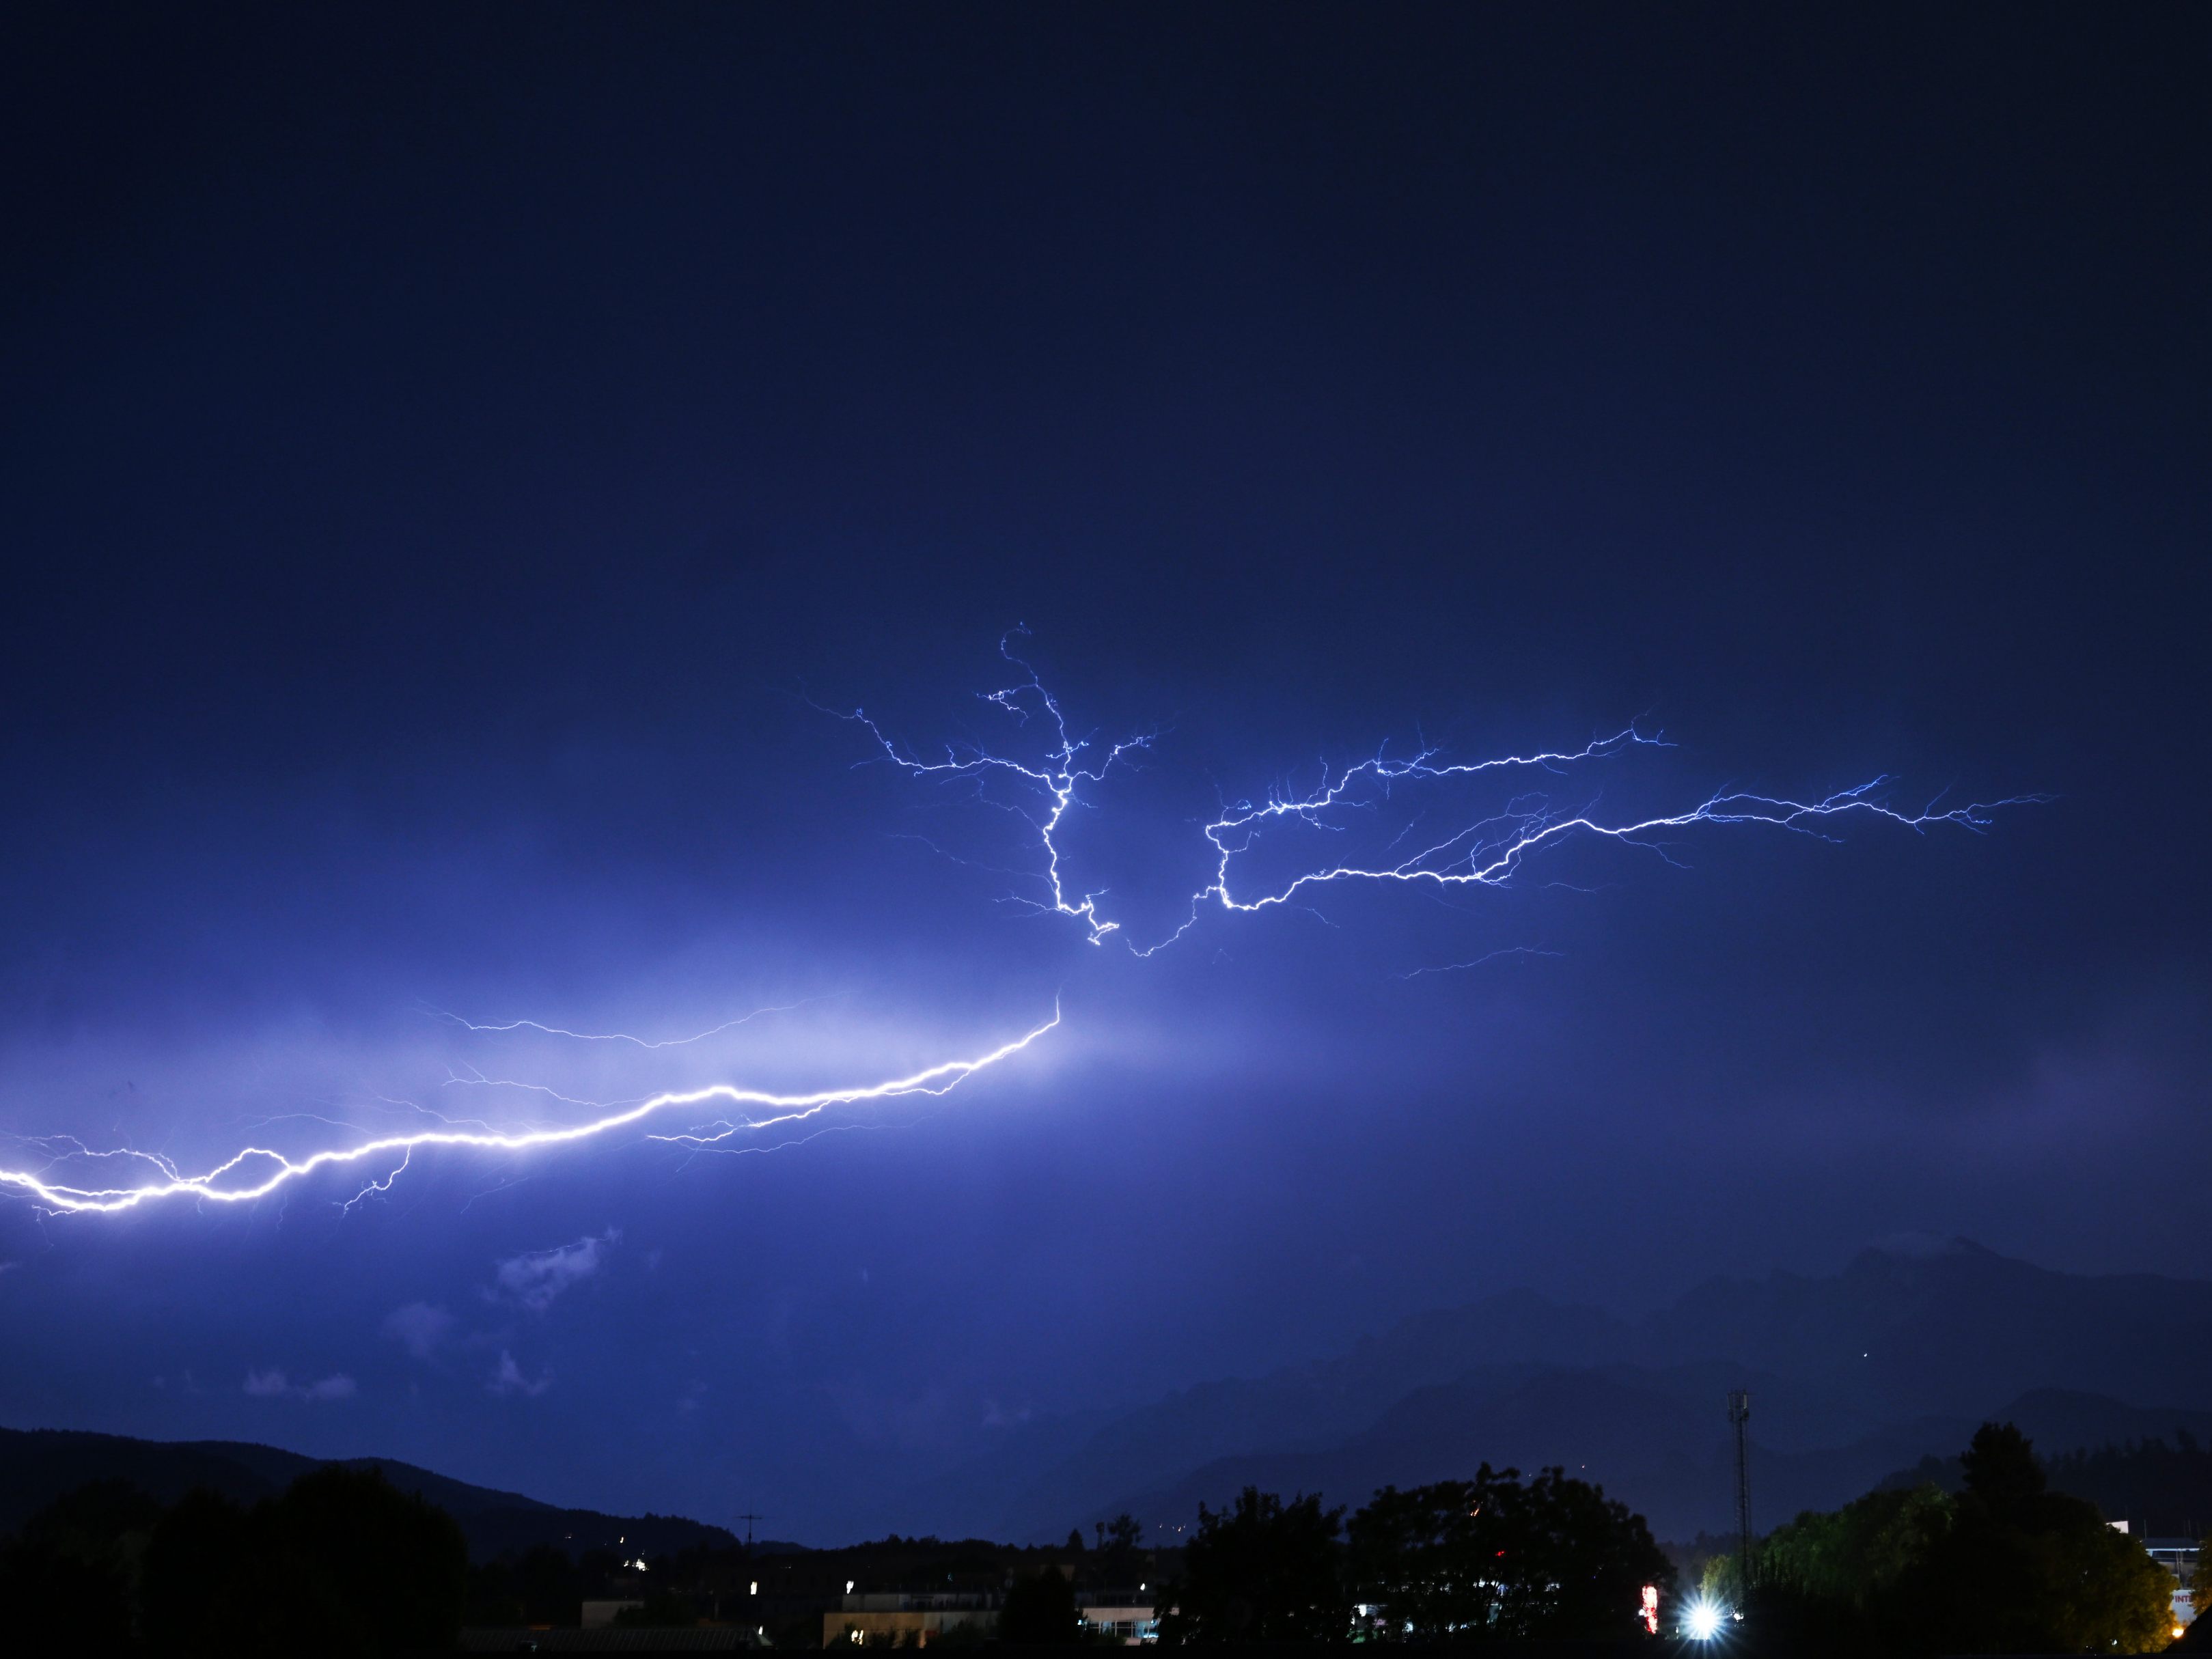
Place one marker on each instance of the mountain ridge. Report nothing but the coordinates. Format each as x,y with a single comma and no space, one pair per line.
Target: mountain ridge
1895,1357
38,1465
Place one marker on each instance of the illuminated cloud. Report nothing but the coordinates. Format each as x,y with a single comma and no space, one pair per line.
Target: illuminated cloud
509,1379
419,1328
255,1172
537,1278
272,1384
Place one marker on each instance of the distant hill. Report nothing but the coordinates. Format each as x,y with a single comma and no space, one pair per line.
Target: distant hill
1925,1326
1317,1403
38,1465
2152,1469
1853,1377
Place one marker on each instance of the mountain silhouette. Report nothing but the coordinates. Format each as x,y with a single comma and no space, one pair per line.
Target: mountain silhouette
1853,1377
38,1465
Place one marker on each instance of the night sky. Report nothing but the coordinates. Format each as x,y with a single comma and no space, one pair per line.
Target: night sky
452,459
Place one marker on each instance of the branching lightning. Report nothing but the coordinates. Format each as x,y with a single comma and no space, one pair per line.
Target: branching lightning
256,1171
1490,851
621,1036
1499,954
1055,780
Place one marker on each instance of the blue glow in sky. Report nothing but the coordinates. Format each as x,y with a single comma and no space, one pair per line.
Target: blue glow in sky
457,470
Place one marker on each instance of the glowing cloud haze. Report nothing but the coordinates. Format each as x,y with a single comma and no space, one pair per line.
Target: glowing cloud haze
1488,851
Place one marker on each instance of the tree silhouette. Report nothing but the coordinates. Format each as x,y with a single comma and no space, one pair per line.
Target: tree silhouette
68,1579
2007,1566
1262,1570
1040,1609
341,1563
2025,1569
1120,1561
1496,1556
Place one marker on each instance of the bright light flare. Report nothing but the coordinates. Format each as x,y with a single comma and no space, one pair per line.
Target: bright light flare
1703,1620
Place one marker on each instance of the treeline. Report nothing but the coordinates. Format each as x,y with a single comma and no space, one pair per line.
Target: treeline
2003,1565
340,1562
343,1562
1496,1557
2167,1486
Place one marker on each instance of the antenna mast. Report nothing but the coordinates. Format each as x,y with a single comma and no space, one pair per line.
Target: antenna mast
1739,1410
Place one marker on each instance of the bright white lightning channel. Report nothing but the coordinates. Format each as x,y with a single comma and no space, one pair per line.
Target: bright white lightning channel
255,1172
1489,851
1055,780
1485,852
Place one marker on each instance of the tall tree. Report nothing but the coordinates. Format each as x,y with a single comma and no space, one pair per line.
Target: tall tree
1040,1611
1497,1556
1120,1560
2007,1566
341,1563
1261,1571
70,1577
2025,1569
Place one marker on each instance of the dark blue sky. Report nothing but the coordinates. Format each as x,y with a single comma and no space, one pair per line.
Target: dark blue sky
444,451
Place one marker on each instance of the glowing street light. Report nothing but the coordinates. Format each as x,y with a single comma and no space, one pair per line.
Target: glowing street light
1704,1620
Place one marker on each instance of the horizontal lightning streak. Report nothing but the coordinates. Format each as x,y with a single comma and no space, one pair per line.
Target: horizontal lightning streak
1482,851
622,1036
282,1171
1495,863
1503,952
1487,851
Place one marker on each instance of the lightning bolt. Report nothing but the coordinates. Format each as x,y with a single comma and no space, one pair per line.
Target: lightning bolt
622,1036
1053,780
1487,851
1483,852
255,1172
1499,954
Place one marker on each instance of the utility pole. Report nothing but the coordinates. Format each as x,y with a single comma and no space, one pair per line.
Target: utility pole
1739,1410
749,1518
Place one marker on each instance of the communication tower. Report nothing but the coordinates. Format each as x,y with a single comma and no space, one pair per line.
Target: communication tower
1739,1410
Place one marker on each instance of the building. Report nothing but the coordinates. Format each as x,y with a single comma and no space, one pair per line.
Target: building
903,1620
907,1620
1133,1625
2178,1557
